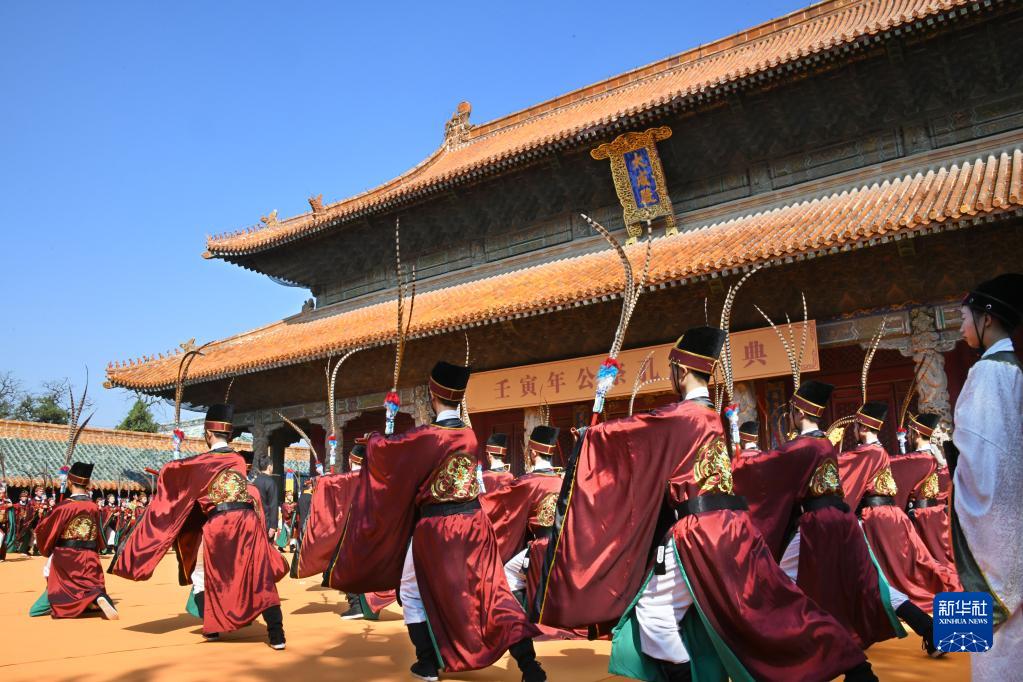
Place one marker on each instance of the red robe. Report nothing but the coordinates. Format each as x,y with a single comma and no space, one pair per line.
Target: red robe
473,616
835,568
625,469
76,577
932,522
901,554
321,532
241,566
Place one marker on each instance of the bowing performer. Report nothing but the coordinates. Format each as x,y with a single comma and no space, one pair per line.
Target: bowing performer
70,538
987,515
205,508
416,521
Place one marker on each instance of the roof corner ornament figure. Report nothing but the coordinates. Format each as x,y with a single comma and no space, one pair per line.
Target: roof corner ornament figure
316,204
456,130
639,179
269,220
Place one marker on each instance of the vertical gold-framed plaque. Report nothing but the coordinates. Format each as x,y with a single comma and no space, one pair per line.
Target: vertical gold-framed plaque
639,179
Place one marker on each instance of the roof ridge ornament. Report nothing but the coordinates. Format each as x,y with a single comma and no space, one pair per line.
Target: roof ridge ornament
456,130
270,219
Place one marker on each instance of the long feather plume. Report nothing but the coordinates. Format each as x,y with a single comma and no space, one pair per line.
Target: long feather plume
911,391
227,393
3,467
640,382
465,401
331,384
191,352
302,434
871,350
726,323
74,416
792,353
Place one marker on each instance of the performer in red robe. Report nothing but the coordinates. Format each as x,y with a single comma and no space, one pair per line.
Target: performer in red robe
904,559
70,537
749,438
424,485
611,555
795,493
498,473
204,507
929,501
522,513
22,525
6,507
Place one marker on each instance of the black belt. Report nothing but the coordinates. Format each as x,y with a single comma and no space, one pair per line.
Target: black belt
877,501
709,503
229,506
78,544
823,502
449,508
545,532
931,502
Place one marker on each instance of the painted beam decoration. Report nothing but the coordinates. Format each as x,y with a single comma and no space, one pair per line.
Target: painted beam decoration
639,179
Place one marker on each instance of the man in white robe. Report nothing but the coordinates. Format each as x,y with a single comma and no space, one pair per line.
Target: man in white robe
987,523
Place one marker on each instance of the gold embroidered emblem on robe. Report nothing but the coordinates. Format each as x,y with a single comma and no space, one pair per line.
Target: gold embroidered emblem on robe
713,470
229,486
825,480
81,527
456,480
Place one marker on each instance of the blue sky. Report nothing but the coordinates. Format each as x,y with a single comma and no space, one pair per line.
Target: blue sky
131,130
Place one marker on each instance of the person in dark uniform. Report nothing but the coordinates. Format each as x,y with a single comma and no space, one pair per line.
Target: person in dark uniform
268,495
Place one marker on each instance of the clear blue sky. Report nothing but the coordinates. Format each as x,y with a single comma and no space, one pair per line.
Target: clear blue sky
131,130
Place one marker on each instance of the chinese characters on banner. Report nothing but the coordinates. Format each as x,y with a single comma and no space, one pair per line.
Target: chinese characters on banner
756,354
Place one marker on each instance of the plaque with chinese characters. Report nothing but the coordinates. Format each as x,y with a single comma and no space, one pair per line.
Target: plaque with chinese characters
757,353
639,179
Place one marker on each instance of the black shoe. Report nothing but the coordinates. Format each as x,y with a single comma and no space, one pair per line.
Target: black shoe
424,671
275,627
525,656
211,636
922,624
861,673
354,611
676,672
426,666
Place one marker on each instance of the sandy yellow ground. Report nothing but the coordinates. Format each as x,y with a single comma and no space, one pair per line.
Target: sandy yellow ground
156,640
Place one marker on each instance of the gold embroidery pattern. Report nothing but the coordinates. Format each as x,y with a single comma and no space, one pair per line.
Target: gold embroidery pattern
456,480
713,470
930,488
884,483
546,509
825,480
229,486
81,527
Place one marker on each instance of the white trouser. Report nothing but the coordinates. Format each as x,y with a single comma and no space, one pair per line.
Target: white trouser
198,575
515,570
46,566
411,602
790,565
111,537
660,610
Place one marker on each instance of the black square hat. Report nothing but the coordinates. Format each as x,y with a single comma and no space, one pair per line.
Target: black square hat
448,381
357,454
698,349
220,417
812,397
924,423
872,414
544,439
80,473
749,431
497,444
1001,297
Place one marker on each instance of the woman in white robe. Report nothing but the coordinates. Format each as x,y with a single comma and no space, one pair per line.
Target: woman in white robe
987,520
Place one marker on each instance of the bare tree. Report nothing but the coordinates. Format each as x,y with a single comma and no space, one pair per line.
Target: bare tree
10,392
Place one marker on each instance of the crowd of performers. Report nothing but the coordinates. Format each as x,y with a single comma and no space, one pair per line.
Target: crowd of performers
671,532
22,510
